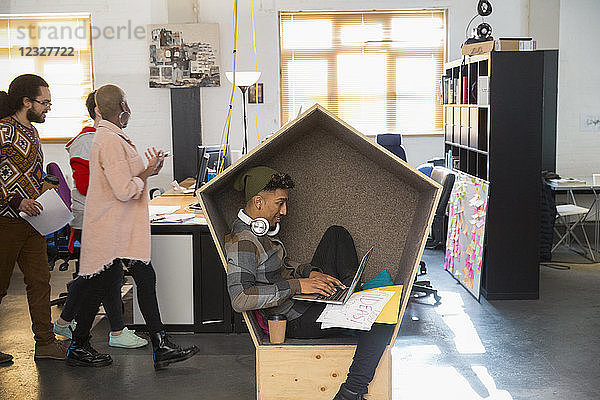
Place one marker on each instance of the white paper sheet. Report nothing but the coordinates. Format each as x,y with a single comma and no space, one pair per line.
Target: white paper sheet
154,211
359,312
54,216
174,218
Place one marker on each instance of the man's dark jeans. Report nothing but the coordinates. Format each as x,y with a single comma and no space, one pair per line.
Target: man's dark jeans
336,256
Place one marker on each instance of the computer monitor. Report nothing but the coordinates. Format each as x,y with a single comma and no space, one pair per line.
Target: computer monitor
202,162
216,153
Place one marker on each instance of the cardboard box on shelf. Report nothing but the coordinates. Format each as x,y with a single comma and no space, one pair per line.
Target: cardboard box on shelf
515,44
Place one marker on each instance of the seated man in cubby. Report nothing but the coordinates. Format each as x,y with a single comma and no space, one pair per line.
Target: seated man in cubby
261,277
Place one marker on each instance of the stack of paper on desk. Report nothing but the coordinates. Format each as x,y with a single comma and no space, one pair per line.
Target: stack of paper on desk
359,312
174,218
156,211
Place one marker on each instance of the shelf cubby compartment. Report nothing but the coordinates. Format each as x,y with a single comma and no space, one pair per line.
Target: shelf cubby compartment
473,127
482,166
482,129
472,163
449,124
473,76
464,159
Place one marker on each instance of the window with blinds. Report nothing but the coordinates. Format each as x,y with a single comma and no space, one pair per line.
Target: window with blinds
59,49
377,70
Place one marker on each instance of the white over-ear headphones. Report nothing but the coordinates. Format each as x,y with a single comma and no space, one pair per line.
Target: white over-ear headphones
258,226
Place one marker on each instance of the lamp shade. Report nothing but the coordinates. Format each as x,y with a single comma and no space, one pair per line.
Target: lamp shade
243,78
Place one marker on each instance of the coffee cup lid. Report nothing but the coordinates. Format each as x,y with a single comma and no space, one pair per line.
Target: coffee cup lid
277,317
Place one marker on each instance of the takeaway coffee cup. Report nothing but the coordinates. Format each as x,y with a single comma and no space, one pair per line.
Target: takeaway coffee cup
277,324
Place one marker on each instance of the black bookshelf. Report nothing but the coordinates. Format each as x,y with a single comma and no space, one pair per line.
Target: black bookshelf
507,141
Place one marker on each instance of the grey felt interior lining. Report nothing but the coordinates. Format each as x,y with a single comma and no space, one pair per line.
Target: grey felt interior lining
341,179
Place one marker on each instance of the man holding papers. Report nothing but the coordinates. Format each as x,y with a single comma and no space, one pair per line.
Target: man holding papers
21,165
261,277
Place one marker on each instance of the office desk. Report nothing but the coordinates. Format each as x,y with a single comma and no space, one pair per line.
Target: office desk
190,281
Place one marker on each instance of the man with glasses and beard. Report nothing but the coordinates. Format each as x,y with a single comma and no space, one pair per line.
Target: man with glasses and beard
21,166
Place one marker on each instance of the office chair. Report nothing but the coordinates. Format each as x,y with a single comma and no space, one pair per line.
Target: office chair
393,143
61,245
565,212
547,219
437,235
58,242
426,168
446,178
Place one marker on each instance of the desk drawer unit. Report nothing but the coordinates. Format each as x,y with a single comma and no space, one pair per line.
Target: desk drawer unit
173,261
190,281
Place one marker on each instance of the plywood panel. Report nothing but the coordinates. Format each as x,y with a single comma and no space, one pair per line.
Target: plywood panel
313,372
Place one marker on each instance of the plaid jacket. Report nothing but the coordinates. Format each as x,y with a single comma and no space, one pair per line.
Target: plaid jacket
260,276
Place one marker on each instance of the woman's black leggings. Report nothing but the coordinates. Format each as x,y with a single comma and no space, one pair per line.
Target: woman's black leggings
94,289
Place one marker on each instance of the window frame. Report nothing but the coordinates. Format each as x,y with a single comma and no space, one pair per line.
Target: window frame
391,52
39,61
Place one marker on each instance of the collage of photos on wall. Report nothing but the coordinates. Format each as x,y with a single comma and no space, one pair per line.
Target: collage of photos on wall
184,55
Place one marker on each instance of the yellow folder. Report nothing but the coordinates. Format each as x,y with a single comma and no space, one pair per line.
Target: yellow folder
389,314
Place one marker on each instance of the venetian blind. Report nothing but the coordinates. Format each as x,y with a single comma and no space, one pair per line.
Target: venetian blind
58,48
378,71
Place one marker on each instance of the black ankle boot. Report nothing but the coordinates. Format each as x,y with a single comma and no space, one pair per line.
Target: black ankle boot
167,352
82,354
346,394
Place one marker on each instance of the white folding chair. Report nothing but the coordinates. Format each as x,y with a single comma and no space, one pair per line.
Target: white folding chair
572,216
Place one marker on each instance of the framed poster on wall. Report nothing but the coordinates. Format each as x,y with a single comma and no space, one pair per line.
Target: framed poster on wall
467,210
184,55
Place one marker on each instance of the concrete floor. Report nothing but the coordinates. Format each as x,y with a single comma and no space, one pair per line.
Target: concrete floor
460,349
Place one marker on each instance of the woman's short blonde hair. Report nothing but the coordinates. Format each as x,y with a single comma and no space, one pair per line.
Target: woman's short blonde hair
109,99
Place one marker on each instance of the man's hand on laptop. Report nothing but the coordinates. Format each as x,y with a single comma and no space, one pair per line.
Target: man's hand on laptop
320,283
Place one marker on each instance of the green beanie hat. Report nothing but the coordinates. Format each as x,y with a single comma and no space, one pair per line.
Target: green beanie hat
253,180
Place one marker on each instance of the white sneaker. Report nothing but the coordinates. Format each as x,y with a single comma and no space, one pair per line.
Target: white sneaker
127,339
66,330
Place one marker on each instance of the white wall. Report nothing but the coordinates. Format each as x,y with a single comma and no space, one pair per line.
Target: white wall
120,61
124,61
579,87
544,22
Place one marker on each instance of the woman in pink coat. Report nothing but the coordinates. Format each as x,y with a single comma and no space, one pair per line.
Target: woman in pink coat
116,232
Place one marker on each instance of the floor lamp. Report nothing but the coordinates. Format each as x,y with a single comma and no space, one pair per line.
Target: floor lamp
243,80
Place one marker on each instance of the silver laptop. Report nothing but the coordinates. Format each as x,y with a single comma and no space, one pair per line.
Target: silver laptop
341,296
